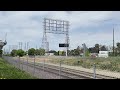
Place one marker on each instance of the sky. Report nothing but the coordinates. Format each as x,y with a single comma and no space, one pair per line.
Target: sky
89,27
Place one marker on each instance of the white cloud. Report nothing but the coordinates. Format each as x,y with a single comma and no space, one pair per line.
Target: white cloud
28,26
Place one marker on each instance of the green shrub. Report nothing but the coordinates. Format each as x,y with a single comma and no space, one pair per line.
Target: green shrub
7,71
20,53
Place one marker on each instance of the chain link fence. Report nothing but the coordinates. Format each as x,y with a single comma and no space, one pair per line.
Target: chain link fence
61,67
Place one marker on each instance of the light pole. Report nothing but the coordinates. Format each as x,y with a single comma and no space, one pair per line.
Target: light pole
60,70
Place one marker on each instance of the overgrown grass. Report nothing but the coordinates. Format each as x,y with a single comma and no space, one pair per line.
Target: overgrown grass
111,63
7,71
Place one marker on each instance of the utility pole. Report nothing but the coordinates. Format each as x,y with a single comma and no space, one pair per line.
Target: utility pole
21,45
113,43
27,54
25,46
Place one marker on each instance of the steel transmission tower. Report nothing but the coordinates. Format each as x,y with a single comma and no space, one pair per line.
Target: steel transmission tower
44,39
55,27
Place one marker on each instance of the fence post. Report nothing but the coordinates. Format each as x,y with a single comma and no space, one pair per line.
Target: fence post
34,66
14,63
60,70
27,63
94,71
44,65
22,63
19,62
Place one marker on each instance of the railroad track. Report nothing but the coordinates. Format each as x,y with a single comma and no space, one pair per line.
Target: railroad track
78,73
45,69
66,73
69,73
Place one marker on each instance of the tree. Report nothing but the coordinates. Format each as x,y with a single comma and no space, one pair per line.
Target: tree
13,53
25,53
56,53
68,51
96,48
60,53
31,51
118,49
42,51
72,53
63,53
76,52
87,53
118,45
20,53
37,52
103,48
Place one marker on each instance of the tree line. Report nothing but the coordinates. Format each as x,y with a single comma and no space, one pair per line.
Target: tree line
30,52
74,52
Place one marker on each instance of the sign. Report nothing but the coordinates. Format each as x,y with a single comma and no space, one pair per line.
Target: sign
63,45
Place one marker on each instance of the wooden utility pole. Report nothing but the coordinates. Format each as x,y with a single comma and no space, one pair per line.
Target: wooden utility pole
113,43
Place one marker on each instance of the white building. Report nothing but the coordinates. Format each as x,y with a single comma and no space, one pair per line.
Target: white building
103,54
50,53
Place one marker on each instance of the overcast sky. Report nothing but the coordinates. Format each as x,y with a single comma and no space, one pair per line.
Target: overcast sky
88,27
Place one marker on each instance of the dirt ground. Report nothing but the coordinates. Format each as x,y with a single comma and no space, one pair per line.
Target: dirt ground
37,59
